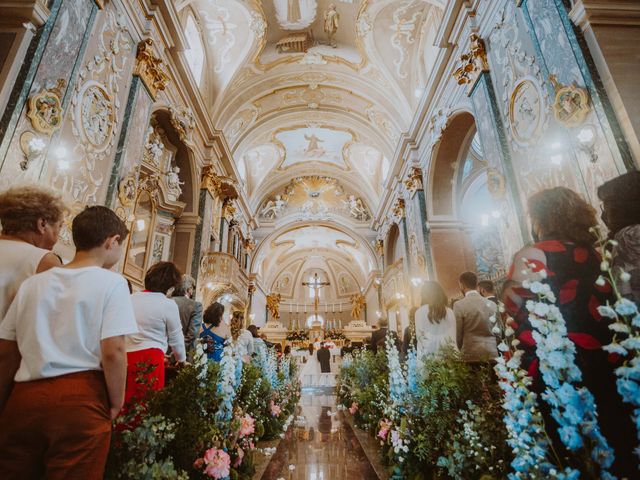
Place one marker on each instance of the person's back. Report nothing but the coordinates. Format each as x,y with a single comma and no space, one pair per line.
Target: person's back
158,327
214,331
432,335
473,312
190,318
18,261
62,361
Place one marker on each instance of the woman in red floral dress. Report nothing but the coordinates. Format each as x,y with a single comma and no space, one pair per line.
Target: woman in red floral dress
563,248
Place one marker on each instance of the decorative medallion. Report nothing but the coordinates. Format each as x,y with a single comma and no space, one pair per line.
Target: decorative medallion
96,115
571,104
526,111
184,122
127,190
45,109
496,184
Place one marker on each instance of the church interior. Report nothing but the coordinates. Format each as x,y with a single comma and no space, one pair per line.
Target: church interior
313,164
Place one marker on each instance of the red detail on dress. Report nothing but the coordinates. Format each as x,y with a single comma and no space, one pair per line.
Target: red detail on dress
526,337
606,288
594,303
568,291
533,368
580,255
584,340
551,246
614,358
538,266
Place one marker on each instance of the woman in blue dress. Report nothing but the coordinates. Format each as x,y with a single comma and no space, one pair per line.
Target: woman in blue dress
214,331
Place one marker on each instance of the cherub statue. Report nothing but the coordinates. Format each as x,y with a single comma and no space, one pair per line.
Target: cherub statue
274,208
173,183
273,305
356,207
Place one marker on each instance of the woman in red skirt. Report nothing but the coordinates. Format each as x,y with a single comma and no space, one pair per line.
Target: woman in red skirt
159,327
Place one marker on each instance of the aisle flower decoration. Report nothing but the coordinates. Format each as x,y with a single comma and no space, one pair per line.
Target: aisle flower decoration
227,383
626,328
275,409
572,406
412,370
247,426
216,463
397,380
525,424
353,408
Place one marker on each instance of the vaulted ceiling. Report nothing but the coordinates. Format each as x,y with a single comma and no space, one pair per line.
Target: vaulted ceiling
326,113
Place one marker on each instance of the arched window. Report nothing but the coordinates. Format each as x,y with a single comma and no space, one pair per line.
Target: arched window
195,53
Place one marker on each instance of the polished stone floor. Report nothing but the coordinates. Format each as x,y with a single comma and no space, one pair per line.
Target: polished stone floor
319,445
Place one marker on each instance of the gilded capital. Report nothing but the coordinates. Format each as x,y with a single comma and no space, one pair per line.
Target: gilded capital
149,68
380,247
398,208
472,63
210,180
414,180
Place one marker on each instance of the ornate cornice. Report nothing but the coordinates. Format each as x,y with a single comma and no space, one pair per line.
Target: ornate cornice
149,68
398,210
413,182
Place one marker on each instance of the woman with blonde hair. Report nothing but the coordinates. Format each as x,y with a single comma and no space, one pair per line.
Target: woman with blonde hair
31,218
241,336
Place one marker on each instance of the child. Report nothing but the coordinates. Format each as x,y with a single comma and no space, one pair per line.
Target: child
62,342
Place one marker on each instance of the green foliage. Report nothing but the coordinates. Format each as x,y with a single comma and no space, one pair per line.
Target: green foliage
435,421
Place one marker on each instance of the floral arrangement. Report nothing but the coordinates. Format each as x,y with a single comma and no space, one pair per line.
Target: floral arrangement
297,336
336,335
206,422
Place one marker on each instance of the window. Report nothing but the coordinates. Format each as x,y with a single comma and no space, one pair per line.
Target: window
195,53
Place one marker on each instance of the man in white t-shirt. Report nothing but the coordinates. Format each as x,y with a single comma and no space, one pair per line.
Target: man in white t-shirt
63,364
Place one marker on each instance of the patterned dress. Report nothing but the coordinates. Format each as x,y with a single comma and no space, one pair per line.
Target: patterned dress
572,271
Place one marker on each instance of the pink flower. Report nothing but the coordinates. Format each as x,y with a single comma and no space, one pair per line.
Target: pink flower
353,408
218,463
275,409
385,426
239,458
247,426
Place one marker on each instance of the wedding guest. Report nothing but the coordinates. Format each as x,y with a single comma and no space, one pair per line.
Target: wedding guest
287,351
31,218
214,331
473,325
346,348
258,343
190,311
69,380
241,336
561,221
488,290
159,327
435,322
379,335
621,214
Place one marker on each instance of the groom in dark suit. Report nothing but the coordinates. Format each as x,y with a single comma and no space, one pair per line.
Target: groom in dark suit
324,357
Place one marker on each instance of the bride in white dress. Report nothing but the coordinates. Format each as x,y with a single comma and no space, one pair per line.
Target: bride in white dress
435,322
310,371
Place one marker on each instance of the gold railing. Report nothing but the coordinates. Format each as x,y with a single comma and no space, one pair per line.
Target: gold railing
220,273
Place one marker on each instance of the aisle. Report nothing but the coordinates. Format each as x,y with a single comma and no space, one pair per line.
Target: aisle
319,446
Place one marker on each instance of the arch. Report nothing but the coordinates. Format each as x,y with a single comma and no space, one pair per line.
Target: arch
446,160
393,244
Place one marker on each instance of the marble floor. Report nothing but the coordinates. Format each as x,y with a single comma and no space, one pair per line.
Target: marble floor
319,445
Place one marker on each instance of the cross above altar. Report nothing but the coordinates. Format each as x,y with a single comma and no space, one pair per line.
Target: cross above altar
315,285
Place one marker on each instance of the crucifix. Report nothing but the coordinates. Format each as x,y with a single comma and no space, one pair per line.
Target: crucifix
316,285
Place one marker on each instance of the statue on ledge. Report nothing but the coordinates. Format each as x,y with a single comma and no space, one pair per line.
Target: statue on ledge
273,305
357,304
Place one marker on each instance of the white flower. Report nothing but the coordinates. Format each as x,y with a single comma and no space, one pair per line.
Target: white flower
292,467
496,330
509,331
624,277
600,281
604,266
619,327
607,311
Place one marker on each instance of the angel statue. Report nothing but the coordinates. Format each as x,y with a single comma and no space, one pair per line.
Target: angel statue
274,208
273,305
173,183
357,304
356,208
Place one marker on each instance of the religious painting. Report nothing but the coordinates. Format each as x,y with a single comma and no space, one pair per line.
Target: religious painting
295,14
314,144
